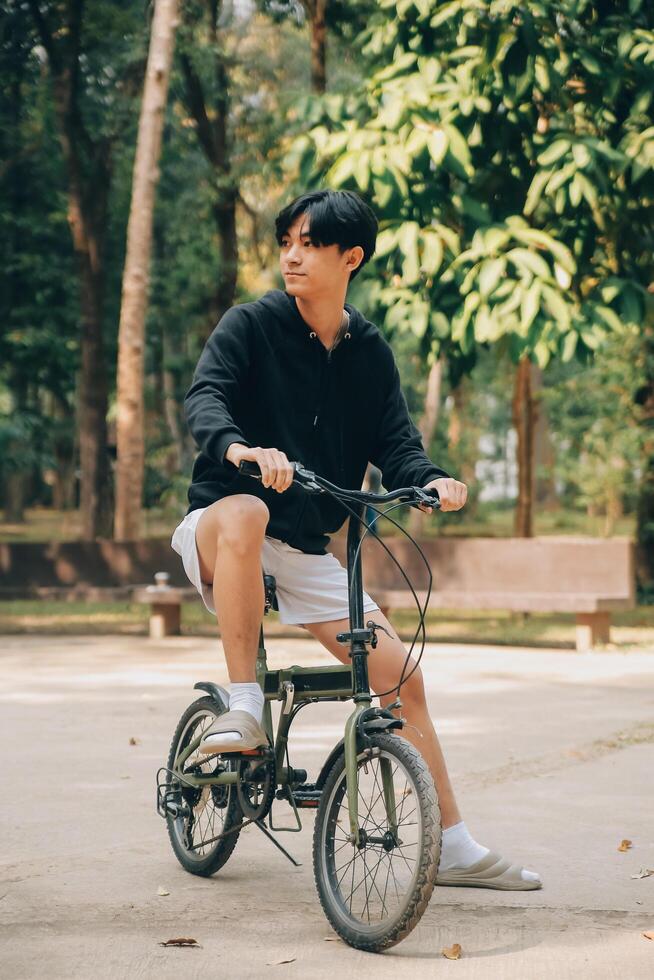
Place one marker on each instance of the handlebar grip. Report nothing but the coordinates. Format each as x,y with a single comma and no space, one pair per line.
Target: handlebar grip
249,468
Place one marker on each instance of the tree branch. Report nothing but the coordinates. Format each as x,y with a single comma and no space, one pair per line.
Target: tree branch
196,105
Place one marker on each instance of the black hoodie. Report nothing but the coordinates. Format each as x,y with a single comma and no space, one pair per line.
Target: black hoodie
265,379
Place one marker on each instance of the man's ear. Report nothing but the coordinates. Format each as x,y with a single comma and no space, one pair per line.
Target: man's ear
355,258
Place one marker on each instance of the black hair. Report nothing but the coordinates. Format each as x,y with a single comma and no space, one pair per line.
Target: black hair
337,218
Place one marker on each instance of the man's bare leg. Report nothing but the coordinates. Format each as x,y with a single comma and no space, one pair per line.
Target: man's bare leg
384,668
229,536
459,850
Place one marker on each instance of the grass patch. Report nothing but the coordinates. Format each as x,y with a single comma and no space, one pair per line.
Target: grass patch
632,630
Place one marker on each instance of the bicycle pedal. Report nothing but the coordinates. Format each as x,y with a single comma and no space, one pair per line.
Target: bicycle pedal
260,753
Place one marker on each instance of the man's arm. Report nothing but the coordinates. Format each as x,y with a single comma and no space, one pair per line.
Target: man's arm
400,454
218,377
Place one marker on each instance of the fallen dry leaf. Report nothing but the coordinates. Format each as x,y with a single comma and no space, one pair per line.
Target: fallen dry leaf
162,891
181,942
452,952
649,935
134,741
291,959
644,873
624,845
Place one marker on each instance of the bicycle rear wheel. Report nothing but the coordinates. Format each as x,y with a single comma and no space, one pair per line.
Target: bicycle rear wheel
204,813
374,894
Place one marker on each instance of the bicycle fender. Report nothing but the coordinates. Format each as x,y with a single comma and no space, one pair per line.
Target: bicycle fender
378,723
382,724
338,749
218,693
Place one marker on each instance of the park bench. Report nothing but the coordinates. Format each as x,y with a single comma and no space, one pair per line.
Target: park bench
165,603
588,577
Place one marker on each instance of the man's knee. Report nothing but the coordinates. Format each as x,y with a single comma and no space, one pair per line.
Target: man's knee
236,524
412,690
242,521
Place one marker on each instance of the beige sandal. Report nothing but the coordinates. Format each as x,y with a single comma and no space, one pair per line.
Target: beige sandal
493,871
251,733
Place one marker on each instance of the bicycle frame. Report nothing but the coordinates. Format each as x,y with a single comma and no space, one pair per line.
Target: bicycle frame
294,685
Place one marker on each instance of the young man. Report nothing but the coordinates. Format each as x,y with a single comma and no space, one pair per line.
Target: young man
301,375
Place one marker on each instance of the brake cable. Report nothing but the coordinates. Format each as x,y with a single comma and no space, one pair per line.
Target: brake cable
338,494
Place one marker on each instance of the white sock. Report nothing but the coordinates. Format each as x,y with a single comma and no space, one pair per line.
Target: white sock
460,850
244,697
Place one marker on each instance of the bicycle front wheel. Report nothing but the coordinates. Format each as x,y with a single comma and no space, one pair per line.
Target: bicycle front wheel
375,893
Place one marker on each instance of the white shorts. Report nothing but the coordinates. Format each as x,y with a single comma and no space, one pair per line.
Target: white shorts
310,588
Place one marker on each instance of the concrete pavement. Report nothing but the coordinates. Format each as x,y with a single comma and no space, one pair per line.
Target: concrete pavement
551,754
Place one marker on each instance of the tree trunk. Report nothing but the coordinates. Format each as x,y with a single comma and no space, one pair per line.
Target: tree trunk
427,426
224,211
64,450
645,506
14,495
544,483
524,421
212,132
131,331
171,407
88,190
95,485
316,12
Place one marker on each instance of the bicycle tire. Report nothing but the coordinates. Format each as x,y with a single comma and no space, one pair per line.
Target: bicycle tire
221,798
391,929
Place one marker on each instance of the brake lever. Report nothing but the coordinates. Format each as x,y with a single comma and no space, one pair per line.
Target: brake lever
430,499
308,479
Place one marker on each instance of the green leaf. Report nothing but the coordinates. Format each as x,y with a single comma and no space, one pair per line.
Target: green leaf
575,191
535,191
341,170
419,318
529,306
494,238
580,155
590,63
437,142
440,324
610,317
416,142
383,191
554,152
458,149
362,170
432,252
558,308
407,240
445,12
541,71
540,238
491,272
487,329
386,242
526,261
569,346
542,353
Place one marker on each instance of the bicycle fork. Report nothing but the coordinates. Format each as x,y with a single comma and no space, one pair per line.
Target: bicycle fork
353,726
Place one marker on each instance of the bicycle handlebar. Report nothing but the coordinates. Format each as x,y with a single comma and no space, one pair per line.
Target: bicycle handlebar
313,483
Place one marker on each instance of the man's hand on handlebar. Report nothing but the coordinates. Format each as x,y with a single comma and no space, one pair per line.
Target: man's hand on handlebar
276,471
453,494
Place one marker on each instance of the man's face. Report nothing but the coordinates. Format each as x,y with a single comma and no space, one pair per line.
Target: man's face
311,270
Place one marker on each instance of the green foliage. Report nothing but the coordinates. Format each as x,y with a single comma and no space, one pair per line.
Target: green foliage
595,428
508,154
